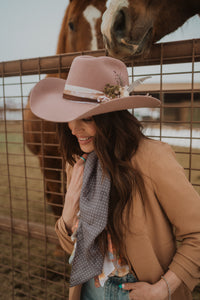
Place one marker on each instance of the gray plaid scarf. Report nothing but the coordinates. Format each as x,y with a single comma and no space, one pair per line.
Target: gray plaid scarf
94,200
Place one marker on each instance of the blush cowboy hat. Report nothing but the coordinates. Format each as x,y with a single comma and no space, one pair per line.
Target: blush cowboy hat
95,85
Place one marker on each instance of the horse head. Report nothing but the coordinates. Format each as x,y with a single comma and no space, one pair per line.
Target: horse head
80,28
130,27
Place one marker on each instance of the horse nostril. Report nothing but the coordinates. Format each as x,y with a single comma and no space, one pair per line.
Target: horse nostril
119,26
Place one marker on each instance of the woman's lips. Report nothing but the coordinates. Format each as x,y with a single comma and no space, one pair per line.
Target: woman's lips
84,140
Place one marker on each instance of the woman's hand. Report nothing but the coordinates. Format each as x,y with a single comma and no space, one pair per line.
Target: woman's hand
159,290
143,291
71,205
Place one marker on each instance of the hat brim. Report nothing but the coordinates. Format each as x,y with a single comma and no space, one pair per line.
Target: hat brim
47,102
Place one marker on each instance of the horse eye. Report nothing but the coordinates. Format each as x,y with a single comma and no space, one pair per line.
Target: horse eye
71,25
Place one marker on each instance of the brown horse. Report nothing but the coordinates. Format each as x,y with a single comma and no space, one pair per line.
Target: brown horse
80,31
130,27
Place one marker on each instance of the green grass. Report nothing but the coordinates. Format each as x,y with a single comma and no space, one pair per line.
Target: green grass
22,186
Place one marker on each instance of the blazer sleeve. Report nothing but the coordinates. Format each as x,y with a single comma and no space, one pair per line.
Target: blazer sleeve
60,228
63,236
181,204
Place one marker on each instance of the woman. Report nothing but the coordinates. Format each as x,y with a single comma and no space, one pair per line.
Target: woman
127,199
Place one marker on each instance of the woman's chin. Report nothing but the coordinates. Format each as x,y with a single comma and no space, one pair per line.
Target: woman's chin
87,148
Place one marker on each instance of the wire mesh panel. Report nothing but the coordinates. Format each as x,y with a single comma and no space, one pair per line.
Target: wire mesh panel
177,85
32,185
33,265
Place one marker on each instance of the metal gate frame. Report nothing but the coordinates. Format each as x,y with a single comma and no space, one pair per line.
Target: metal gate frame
161,55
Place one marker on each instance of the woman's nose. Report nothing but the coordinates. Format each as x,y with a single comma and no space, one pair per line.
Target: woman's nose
75,126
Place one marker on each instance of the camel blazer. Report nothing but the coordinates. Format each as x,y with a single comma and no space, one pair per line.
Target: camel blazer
170,213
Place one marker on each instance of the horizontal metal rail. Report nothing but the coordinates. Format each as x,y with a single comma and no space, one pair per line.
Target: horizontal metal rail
172,52
33,230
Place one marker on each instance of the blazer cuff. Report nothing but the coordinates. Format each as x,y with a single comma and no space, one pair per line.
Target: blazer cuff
64,236
183,274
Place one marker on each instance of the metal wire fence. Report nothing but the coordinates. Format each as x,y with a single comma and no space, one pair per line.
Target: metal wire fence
32,186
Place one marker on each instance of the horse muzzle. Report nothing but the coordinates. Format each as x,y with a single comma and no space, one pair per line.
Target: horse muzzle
124,37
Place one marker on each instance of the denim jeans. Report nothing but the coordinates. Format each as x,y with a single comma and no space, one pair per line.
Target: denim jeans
110,290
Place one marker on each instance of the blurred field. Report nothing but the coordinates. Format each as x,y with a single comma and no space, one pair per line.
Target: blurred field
29,266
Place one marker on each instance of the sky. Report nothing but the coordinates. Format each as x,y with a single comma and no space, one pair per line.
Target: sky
30,28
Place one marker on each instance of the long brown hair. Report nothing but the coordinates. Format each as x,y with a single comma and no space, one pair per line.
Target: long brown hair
117,139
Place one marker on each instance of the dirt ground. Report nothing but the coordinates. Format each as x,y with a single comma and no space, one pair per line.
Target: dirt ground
29,270
29,267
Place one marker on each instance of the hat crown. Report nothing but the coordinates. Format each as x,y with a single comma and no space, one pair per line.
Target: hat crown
95,72
57,100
